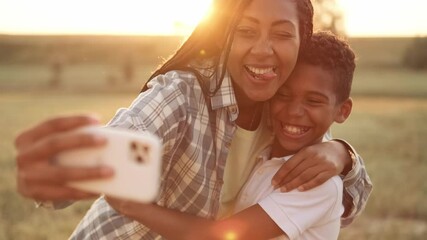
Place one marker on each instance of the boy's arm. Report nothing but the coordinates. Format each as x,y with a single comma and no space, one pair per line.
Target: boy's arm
251,223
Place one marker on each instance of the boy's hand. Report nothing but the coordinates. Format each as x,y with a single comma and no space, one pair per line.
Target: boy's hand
312,166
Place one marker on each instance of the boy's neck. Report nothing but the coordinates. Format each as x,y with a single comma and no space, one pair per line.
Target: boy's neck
278,151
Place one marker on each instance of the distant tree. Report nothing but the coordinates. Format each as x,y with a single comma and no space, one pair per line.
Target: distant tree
328,16
128,68
57,68
415,56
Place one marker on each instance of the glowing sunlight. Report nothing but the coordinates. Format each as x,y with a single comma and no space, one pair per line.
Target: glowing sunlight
172,17
158,17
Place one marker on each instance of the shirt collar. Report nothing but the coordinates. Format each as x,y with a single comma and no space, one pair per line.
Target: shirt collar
225,96
284,159
265,156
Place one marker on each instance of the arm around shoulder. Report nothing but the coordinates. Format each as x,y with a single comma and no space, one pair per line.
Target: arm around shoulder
357,187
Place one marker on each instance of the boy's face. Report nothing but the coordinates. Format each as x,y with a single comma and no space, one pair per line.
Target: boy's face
304,108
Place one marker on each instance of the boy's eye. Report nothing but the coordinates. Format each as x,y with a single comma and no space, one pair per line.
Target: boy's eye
315,101
283,96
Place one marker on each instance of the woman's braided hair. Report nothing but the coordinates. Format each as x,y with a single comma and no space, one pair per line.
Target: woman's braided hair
213,37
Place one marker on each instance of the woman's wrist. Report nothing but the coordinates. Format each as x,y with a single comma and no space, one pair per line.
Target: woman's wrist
349,157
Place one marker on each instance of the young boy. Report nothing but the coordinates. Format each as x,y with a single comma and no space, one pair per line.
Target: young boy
315,96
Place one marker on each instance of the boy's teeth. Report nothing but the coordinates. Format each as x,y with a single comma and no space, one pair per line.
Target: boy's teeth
260,71
294,129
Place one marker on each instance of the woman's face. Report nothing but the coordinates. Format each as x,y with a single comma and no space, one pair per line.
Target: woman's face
264,50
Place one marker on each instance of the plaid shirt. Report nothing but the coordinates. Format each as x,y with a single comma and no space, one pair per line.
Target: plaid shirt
196,141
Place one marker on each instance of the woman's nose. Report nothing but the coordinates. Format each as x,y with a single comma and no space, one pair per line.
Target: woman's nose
262,47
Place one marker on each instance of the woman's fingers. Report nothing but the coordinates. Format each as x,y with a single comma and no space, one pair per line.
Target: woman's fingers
61,175
56,193
38,176
279,178
316,181
51,126
305,170
50,182
309,178
46,149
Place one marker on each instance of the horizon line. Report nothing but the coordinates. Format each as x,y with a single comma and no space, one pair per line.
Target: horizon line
180,35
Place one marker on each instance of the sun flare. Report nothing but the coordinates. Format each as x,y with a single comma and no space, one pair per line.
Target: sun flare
173,17
159,17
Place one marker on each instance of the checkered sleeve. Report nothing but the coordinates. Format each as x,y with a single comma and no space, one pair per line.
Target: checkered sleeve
162,110
357,188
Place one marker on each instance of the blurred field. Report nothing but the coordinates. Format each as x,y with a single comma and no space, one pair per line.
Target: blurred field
387,126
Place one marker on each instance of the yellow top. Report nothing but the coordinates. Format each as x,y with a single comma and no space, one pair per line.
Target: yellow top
245,147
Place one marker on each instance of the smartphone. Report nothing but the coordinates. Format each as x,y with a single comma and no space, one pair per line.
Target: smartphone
134,156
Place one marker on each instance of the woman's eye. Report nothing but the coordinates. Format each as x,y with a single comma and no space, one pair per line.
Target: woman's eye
246,32
283,35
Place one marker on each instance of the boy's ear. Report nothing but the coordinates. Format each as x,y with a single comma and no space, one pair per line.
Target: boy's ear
344,111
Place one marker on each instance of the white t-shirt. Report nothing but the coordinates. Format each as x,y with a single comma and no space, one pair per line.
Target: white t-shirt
312,214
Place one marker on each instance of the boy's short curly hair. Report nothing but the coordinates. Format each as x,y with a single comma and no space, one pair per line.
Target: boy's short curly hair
333,54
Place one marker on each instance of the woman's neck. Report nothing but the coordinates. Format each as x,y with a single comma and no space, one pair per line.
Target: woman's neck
250,116
249,110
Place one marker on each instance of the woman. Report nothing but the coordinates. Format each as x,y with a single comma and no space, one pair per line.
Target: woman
205,96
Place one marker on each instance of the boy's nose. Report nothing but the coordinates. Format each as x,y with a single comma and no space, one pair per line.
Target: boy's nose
295,109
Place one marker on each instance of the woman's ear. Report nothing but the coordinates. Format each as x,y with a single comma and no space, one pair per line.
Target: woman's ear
344,110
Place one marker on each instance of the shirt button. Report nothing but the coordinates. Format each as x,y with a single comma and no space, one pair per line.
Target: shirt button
227,144
233,110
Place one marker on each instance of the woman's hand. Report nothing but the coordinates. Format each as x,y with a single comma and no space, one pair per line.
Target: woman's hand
134,210
312,166
37,176
118,204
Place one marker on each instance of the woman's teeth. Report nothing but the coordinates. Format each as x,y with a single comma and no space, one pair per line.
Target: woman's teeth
260,71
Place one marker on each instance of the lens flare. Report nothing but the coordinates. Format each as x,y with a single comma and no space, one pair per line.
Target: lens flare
230,236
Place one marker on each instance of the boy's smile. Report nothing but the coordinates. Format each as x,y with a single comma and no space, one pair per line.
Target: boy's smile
304,108
294,130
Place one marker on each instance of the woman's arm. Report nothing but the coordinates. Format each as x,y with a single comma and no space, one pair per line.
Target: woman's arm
315,164
251,223
357,186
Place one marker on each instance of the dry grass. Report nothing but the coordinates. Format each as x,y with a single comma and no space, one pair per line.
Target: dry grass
389,133
387,126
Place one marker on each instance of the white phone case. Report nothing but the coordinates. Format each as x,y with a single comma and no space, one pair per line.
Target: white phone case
134,156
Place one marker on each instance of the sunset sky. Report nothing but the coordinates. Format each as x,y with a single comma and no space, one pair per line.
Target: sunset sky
363,17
